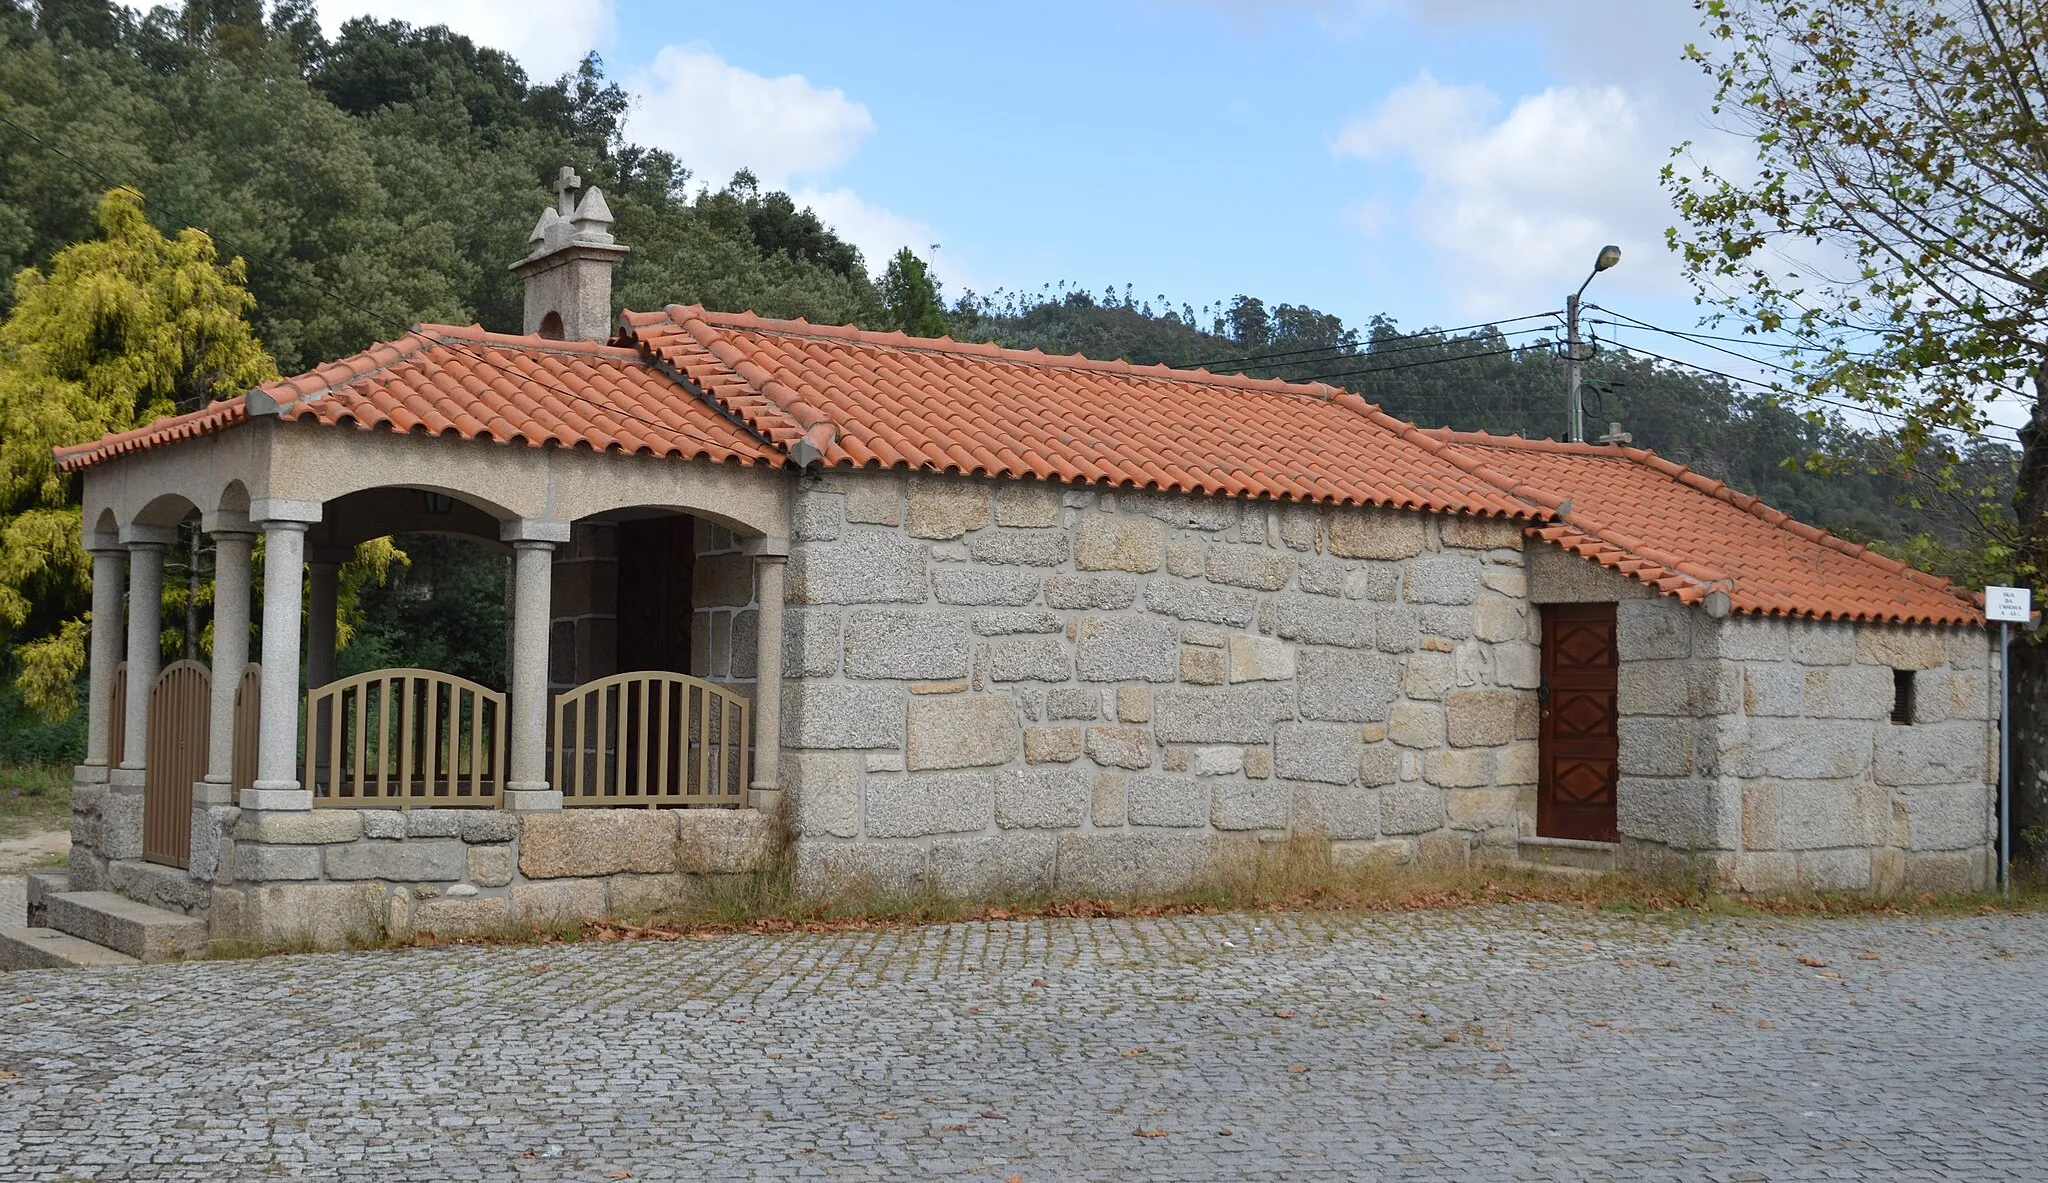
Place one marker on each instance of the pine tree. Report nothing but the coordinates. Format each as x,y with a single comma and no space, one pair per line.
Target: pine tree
912,297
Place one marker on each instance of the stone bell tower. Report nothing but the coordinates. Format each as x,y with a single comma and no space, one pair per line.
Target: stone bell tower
569,274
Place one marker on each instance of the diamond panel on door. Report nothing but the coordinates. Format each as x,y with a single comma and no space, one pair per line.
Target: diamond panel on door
1580,740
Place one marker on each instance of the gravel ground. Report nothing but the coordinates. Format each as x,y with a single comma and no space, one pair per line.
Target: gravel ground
1519,1042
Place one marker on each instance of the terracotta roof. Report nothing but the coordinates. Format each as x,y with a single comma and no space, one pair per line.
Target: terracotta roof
1686,534
467,383
890,401
689,383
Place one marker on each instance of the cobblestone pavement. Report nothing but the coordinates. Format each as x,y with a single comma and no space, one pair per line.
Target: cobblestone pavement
1515,1042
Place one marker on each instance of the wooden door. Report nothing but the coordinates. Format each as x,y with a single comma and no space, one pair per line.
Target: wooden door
1581,741
656,561
180,708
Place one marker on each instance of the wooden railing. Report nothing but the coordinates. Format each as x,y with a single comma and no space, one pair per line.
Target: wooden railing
651,739
405,738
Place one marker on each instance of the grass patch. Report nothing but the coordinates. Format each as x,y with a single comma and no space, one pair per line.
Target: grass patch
34,798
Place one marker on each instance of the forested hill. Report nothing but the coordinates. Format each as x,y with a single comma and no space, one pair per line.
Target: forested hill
389,175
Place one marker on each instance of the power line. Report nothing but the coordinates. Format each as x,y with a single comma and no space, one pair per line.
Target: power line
1369,343
1701,337
1430,361
310,285
1368,355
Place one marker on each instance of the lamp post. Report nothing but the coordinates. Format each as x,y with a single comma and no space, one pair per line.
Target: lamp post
1575,416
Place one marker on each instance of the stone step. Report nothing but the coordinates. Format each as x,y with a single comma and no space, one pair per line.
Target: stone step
41,886
147,934
46,948
1567,852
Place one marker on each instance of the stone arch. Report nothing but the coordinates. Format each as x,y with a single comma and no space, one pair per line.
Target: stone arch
165,510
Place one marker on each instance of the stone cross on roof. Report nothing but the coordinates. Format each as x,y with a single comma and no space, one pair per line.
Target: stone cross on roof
566,183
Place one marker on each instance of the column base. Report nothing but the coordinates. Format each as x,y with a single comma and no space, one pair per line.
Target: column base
126,780
765,800
531,797
276,796
89,774
212,792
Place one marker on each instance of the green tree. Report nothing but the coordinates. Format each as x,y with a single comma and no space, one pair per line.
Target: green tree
124,328
912,297
1895,222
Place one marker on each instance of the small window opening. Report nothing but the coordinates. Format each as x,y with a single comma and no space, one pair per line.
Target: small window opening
551,326
1902,697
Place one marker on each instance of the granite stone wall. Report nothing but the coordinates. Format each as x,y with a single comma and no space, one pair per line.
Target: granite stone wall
1764,750
1005,685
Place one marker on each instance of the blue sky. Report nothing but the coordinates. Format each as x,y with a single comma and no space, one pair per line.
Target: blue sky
1442,162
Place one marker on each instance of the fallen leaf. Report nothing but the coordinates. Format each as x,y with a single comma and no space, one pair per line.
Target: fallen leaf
9,1075
1128,1052
885,1116
1223,1133
1283,1014
1815,962
1493,1047
995,1115
954,1127
1585,948
1151,1132
1038,983
1764,1024
1866,957
1451,1037
618,1174
1297,1068
1599,1022
1628,965
1013,1179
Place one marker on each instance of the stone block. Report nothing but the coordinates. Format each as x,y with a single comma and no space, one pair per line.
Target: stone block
723,841
1428,676
1445,621
1766,872
1006,624
583,842
1653,746
1901,647
1443,579
946,506
1106,542
1695,815
307,827
1379,764
1239,805
1027,503
816,517
835,715
1257,567
1217,761
559,904
1443,852
1134,704
1313,620
864,567
1942,817
876,499
1469,768
1773,690
433,823
1816,815
1794,749
1243,714
844,868
1518,764
1042,798
1132,863
1120,747
1347,687
1372,532
1120,648
1037,659
487,825
647,895
1338,813
1052,745
1202,602
993,868
1184,557
1971,649
1518,666
1834,870
323,915
1946,753
1073,702
1490,718
962,731
1480,809
1203,667
1466,532
1497,618
1006,547
1378,582
1260,659
1090,592
1653,630
1655,688
810,644
1411,809
823,791
1947,871
120,825
986,585
1853,692
255,862
946,803
489,866
416,860
1887,872
1385,853
892,643
1106,799
1969,696
1416,725
1300,526
722,581
1321,577
1174,759
160,886
1327,753
1821,642
1157,799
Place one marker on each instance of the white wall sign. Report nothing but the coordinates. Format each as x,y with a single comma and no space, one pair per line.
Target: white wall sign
2014,604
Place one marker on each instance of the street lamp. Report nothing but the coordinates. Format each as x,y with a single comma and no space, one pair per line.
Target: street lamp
1575,421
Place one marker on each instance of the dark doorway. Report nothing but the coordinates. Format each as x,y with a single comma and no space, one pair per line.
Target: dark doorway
656,557
1581,739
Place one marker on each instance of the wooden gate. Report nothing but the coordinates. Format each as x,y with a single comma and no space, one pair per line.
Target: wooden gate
1581,739
650,739
180,707
405,738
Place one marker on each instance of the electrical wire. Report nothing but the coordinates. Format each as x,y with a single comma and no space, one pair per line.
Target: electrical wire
273,269
1368,355
1368,345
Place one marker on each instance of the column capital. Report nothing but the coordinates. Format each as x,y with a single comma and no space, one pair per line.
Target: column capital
273,512
100,546
138,537
283,526
533,530
226,521
766,547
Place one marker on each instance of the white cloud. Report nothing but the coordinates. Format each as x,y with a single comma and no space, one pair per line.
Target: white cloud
548,37
1514,206
718,118
879,233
